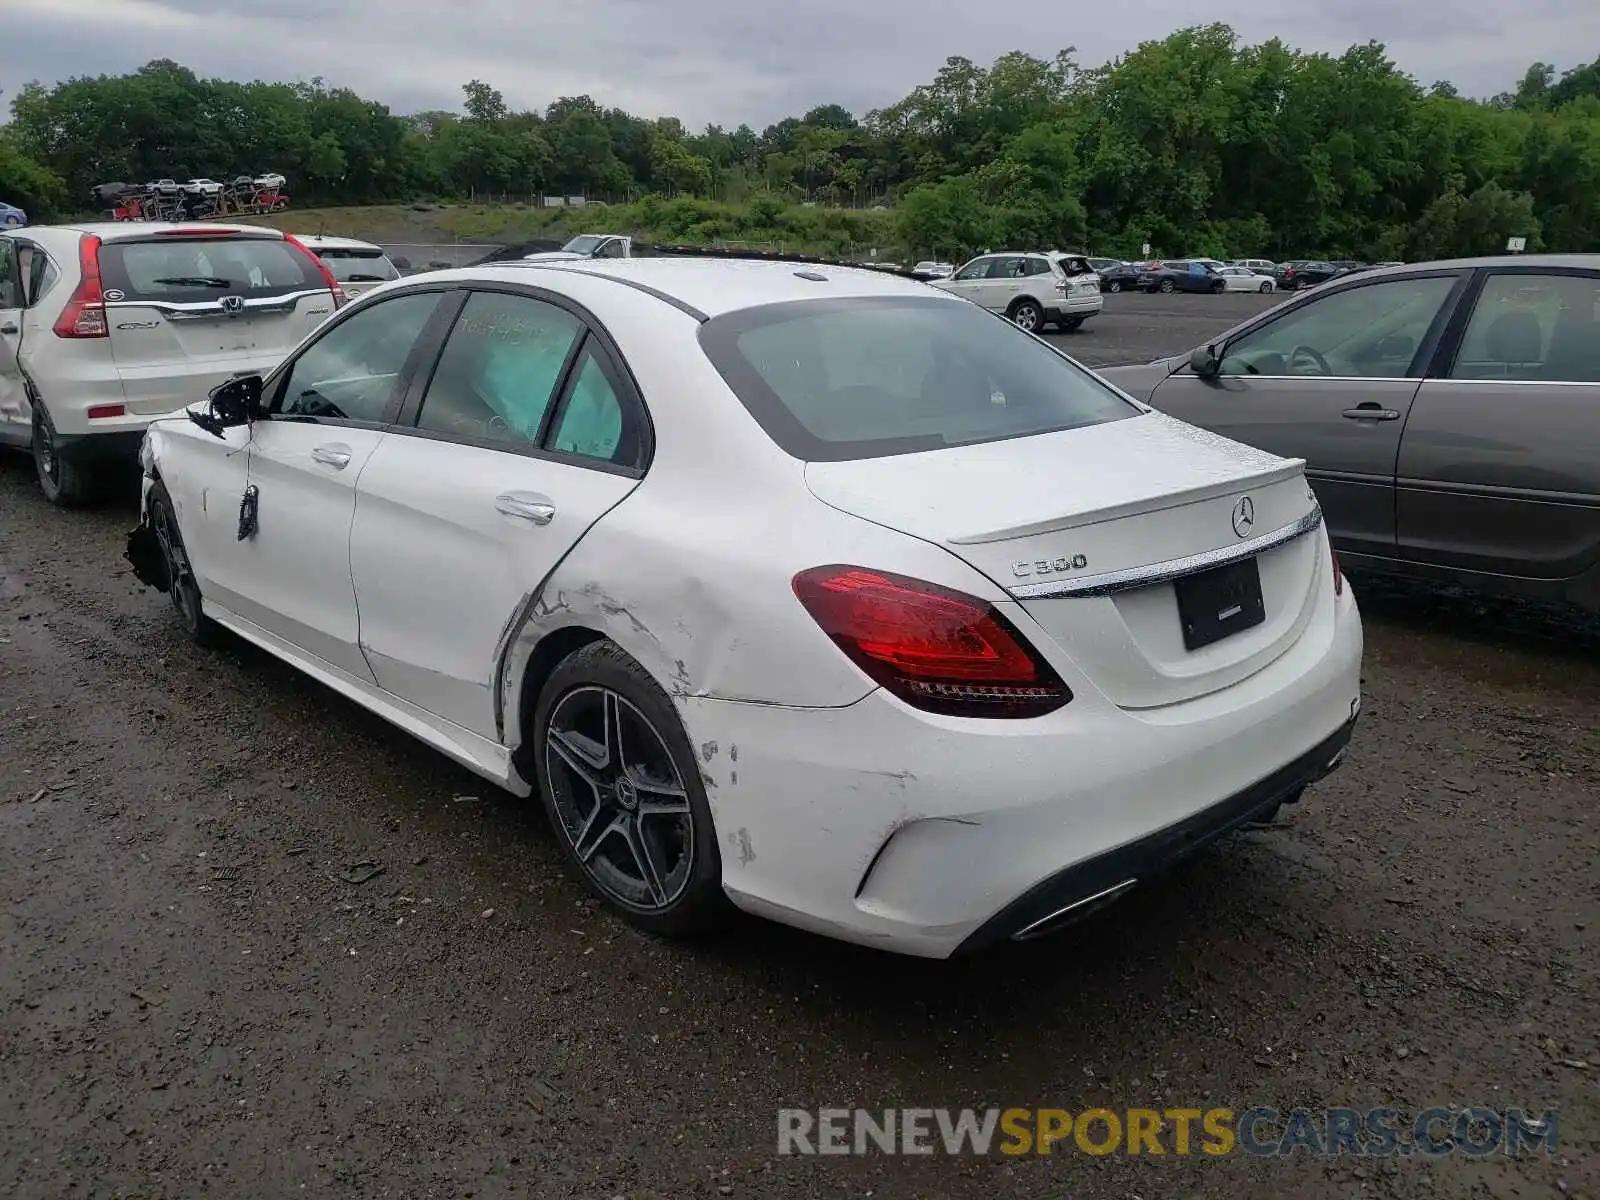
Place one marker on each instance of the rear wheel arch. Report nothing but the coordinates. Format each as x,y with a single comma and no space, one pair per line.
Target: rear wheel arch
548,653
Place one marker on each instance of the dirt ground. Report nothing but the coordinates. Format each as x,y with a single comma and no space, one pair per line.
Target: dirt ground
196,1000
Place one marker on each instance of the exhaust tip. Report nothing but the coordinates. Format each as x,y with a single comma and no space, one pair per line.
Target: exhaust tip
1071,912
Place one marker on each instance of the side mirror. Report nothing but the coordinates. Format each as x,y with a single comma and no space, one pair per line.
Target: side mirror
1205,363
234,403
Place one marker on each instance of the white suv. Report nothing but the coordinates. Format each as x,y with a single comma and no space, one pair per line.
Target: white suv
358,266
104,327
1032,288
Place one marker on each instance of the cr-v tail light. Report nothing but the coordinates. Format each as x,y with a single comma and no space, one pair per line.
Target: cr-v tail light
339,297
937,649
85,313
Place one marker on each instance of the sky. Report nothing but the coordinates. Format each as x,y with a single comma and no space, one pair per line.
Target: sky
733,61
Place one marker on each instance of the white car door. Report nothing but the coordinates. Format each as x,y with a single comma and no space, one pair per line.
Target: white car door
970,280
15,414
327,409
525,436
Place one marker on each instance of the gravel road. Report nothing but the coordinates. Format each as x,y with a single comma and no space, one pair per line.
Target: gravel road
197,998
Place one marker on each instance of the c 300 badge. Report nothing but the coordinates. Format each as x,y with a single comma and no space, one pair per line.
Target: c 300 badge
1049,566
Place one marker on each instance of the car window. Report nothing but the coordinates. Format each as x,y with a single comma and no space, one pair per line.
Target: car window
500,369
848,379
350,372
352,264
186,270
1533,327
1367,332
978,268
612,249
593,421
1008,268
42,276
1036,266
10,280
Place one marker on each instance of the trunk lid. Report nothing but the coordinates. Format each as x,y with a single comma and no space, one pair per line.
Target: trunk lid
1098,532
189,311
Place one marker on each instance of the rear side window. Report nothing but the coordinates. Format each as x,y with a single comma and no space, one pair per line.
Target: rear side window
187,270
500,369
351,265
862,378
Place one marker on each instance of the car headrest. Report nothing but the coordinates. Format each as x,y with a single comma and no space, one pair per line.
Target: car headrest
1515,337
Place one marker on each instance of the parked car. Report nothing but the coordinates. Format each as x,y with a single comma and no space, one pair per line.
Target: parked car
1031,288
208,187
588,245
1304,273
1261,266
1243,279
1122,277
11,217
105,327
928,269
1448,412
1181,275
1021,643
358,266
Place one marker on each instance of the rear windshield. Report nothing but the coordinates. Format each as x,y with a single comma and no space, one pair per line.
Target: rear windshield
863,378
358,266
183,270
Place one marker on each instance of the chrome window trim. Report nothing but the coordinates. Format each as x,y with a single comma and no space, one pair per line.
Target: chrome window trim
1109,582
1519,383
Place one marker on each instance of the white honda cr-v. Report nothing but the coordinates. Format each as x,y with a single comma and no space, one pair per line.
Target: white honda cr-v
106,326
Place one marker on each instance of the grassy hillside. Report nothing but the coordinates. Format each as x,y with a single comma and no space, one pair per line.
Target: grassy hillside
764,224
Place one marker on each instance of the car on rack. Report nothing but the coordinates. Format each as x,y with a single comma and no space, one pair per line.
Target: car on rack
358,266
1448,413
1034,289
104,327
1180,275
1022,643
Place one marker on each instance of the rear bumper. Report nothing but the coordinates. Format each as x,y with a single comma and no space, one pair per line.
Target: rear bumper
113,447
913,833
1080,889
1075,306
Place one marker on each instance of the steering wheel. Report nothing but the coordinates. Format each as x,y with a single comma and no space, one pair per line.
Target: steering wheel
1313,356
312,403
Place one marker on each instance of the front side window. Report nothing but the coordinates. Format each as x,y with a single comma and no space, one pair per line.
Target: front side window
1536,328
10,279
862,378
500,369
978,268
351,372
1366,332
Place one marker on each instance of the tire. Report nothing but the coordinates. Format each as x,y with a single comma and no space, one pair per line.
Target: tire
65,484
1069,324
1302,285
1218,289
1114,286
181,588
600,690
1166,287
1265,287
1027,315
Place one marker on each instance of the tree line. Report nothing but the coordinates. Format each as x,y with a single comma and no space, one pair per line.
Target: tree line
1195,144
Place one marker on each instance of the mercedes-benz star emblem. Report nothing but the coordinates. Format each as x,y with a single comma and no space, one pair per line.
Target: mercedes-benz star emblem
1244,516
627,793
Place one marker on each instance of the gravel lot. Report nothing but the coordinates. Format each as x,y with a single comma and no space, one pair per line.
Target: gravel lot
194,1002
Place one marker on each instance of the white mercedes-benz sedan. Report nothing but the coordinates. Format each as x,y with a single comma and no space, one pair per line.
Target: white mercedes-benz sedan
807,588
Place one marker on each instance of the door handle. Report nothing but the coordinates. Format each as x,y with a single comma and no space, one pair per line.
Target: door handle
337,457
527,505
9,327
1370,411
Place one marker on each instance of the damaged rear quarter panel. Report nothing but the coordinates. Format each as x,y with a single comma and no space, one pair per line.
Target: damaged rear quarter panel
700,594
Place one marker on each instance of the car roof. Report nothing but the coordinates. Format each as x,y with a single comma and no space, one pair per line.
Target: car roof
716,286
122,231
336,243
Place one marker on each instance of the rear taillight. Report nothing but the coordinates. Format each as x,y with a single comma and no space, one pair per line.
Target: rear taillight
339,296
1338,572
937,649
85,313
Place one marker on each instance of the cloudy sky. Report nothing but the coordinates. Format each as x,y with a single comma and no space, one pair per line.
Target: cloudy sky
729,61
